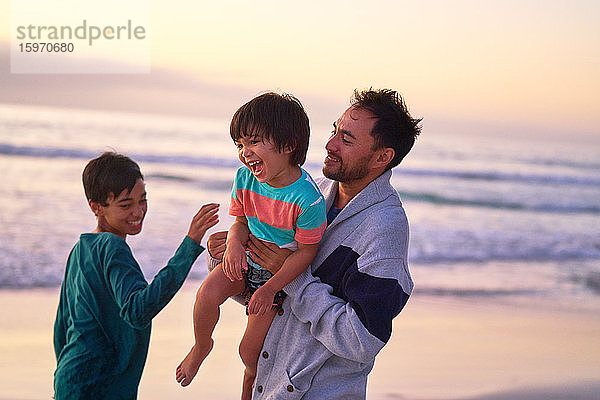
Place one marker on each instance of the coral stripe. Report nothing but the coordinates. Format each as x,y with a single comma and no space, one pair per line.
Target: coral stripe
276,213
310,236
235,208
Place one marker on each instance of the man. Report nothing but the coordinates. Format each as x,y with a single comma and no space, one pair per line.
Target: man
338,314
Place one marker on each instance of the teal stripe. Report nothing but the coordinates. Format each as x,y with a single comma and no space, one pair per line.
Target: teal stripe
270,233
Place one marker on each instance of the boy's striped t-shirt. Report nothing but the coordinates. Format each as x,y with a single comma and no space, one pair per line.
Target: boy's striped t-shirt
284,216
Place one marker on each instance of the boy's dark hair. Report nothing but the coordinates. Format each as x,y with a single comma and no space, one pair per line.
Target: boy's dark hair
110,173
394,127
278,118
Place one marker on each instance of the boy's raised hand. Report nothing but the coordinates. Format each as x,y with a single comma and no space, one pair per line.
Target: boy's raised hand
205,219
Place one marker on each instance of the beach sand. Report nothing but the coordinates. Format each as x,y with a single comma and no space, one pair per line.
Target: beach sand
441,348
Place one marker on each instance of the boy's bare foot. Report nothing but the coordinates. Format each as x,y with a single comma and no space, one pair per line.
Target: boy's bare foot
187,370
247,386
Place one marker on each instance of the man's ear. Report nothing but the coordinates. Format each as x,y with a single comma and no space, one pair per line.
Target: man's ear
385,156
96,208
288,149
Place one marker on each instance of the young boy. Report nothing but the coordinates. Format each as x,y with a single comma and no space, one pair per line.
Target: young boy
102,327
275,200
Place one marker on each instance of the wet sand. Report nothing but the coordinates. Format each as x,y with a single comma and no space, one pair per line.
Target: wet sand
441,348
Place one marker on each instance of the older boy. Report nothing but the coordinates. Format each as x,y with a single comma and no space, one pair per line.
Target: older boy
102,328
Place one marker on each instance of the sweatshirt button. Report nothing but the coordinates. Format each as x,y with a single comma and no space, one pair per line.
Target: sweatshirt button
265,354
260,388
290,388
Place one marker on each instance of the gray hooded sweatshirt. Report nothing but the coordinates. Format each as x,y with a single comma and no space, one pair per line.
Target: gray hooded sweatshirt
338,314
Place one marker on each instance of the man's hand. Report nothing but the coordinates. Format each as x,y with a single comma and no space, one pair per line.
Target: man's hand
216,244
267,255
262,300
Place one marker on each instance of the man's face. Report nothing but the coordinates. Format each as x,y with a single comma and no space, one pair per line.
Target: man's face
349,149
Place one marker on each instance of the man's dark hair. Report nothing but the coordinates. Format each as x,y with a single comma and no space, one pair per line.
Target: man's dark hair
110,173
278,118
394,127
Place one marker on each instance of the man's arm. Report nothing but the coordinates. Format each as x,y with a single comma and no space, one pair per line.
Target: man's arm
358,289
334,321
356,328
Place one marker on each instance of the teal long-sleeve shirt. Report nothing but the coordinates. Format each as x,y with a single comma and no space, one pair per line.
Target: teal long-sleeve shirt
103,322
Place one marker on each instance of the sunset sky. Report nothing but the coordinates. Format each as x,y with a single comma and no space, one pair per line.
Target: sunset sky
507,63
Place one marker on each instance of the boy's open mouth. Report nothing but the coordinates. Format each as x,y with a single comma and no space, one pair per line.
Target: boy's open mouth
256,167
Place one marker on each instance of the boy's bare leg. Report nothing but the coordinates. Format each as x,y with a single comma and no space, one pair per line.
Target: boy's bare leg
213,292
250,347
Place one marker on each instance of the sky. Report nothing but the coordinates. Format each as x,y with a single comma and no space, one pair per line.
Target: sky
526,65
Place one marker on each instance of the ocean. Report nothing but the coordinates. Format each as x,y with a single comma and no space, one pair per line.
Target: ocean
492,217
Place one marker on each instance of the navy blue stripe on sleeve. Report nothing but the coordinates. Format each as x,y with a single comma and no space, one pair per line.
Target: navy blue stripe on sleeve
375,300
